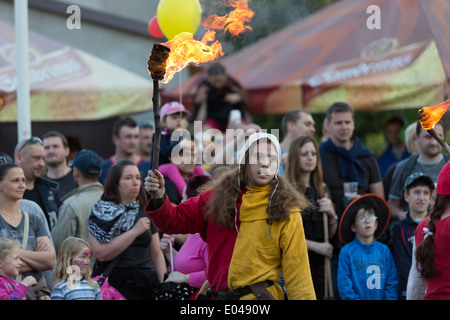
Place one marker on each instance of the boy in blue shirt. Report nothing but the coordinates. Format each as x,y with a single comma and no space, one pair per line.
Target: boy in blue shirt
366,269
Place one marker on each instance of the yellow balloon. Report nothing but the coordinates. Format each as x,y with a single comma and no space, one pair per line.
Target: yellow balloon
177,16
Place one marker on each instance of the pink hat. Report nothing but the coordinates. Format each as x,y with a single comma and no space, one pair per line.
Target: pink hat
443,181
171,108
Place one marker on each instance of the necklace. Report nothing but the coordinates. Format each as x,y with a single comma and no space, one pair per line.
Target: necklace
12,219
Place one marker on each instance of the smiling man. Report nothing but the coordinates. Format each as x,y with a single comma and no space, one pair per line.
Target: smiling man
430,161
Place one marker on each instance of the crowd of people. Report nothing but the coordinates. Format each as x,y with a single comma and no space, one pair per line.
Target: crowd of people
273,223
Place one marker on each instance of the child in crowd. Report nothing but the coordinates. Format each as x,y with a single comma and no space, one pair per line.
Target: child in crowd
366,269
172,117
11,289
418,194
72,278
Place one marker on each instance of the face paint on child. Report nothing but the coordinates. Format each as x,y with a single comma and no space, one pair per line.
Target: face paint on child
83,260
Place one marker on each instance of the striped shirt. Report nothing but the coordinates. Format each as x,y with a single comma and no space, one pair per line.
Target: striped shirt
81,291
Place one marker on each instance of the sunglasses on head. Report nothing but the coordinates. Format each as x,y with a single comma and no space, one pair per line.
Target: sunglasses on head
32,140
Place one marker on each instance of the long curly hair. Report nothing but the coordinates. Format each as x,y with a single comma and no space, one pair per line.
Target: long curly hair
227,191
425,251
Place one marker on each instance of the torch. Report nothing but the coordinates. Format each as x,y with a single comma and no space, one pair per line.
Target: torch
429,116
156,65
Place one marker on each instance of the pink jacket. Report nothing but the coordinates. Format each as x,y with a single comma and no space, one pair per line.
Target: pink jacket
169,170
11,289
192,259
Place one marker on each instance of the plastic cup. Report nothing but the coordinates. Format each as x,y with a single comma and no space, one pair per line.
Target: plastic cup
350,189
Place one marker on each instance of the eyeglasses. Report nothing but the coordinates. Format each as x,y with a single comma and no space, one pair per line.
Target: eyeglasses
370,218
32,140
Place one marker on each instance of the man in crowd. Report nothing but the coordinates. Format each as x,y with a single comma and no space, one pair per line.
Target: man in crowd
125,138
295,123
429,161
346,159
396,149
29,155
145,140
76,207
56,150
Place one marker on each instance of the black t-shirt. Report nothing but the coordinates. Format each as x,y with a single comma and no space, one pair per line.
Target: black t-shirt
35,196
66,184
136,256
313,225
172,191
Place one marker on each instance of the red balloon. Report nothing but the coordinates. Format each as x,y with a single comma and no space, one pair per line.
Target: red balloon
154,29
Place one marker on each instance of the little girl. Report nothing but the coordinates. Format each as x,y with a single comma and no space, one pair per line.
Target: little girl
10,262
72,279
172,117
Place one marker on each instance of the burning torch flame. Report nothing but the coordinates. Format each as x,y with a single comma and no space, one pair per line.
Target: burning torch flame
429,116
184,49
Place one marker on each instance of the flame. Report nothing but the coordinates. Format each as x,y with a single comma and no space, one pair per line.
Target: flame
184,49
429,116
234,22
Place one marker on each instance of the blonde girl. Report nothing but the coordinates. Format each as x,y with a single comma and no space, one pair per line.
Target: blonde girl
72,279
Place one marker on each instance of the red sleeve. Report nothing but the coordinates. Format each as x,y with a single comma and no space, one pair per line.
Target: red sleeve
187,217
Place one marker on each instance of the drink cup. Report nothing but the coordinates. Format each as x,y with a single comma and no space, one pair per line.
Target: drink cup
350,189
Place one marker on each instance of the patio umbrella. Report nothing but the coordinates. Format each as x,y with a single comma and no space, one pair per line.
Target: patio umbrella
333,55
68,84
70,91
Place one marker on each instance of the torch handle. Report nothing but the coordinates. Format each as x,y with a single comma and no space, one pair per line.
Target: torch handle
444,144
158,129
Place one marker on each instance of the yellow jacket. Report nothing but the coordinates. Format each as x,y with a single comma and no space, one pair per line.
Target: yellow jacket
262,251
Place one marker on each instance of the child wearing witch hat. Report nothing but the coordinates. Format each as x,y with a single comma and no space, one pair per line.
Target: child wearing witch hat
366,269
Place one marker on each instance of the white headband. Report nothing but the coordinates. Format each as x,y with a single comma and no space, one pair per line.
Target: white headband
254,138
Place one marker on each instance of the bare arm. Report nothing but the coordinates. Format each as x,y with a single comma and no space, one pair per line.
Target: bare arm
322,248
396,210
417,286
110,250
377,188
157,257
41,259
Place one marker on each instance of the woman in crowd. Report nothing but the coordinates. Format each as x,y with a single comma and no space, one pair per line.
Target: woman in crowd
121,233
304,171
27,227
